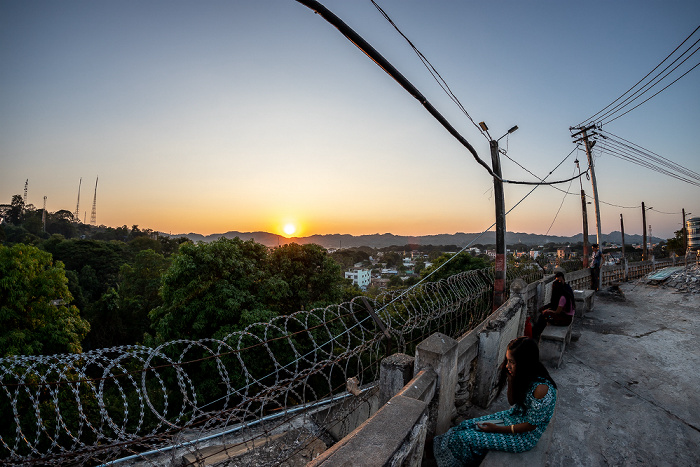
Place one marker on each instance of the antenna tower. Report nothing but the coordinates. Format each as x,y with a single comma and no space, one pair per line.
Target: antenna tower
93,215
26,188
76,216
43,215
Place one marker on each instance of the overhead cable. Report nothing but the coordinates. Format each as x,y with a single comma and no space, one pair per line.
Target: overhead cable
558,211
431,69
602,113
656,94
630,152
375,56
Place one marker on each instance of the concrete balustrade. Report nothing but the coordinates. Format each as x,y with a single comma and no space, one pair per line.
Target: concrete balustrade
449,373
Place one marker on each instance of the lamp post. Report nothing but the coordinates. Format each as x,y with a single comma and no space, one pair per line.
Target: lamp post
499,284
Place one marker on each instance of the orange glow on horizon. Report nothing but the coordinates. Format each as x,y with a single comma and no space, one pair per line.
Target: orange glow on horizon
289,229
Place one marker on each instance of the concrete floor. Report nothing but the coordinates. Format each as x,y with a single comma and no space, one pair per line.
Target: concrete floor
629,383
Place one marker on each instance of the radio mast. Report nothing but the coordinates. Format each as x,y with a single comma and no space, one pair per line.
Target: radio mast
43,215
93,215
77,205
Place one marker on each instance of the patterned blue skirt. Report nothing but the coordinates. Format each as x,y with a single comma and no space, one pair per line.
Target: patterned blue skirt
465,444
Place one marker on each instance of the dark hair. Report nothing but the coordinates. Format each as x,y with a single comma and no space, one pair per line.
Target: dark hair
595,245
528,368
559,274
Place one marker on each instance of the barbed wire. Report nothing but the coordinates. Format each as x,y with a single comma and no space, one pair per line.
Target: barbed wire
102,405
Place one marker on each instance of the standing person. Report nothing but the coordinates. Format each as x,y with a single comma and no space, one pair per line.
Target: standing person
561,309
532,394
595,267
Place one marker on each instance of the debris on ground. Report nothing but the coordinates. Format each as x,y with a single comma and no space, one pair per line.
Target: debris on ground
685,280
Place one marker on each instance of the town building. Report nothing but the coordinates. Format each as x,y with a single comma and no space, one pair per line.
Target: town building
359,277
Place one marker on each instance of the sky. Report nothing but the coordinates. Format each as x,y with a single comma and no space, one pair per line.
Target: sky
246,116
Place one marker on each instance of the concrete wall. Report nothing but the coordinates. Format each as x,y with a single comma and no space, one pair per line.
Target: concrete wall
448,373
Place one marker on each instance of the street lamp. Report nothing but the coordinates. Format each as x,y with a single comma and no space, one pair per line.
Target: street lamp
515,127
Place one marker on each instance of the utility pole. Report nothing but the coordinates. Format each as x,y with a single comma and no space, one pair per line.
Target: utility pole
499,283
585,228
622,231
685,241
588,147
499,292
584,212
644,235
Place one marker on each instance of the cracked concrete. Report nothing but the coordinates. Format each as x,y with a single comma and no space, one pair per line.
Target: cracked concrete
628,387
629,383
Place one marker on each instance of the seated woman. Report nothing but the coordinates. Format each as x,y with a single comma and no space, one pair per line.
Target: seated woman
560,311
531,392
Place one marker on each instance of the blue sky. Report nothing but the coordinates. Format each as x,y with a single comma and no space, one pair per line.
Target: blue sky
229,115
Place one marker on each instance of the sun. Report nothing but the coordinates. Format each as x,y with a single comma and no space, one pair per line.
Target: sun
289,229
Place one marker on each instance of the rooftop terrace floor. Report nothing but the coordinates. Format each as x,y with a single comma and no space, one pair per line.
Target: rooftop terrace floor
629,384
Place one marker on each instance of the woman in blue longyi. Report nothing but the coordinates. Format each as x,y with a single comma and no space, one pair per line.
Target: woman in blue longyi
532,394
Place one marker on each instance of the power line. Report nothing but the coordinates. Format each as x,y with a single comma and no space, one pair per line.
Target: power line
609,112
431,69
384,64
558,211
654,95
622,149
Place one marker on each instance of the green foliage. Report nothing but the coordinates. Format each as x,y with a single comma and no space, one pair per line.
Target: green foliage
463,262
676,244
208,287
139,288
350,256
307,275
103,259
35,312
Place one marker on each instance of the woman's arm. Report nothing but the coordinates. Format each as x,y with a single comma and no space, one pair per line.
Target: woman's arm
540,391
506,429
561,305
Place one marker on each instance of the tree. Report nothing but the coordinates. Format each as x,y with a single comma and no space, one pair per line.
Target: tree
139,285
676,244
463,262
210,289
308,278
16,210
35,312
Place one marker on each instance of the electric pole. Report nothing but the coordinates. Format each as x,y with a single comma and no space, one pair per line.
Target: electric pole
584,212
588,145
499,285
685,235
644,235
622,231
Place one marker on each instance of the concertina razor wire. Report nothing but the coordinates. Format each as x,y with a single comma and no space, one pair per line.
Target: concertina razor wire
150,406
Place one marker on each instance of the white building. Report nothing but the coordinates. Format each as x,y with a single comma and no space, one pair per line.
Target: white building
360,277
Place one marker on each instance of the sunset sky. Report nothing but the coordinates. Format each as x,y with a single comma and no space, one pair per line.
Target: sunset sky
240,115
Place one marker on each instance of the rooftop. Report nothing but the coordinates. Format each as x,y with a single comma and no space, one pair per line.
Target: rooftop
628,385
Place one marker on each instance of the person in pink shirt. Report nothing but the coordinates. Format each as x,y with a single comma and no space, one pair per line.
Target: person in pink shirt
560,311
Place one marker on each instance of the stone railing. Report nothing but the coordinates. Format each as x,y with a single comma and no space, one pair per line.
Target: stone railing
421,395
448,372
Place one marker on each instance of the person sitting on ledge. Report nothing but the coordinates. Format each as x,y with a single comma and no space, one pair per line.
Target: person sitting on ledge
532,394
561,309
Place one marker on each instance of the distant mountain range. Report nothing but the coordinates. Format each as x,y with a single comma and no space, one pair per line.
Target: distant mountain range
384,240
